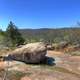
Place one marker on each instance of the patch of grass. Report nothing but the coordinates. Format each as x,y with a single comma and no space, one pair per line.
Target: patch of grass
1,72
15,75
75,53
19,74
60,69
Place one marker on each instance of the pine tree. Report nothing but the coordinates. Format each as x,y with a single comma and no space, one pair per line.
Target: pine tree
13,36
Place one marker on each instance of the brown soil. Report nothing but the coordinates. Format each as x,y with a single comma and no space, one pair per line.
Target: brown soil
67,68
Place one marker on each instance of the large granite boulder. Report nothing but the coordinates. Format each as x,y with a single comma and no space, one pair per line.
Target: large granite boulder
30,53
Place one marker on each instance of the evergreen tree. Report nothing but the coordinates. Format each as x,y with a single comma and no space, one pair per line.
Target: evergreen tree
13,36
2,37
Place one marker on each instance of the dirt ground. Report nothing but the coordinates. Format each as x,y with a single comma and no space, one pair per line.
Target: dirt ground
66,67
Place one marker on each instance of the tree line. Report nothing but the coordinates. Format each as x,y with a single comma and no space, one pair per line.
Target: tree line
11,37
15,37
71,35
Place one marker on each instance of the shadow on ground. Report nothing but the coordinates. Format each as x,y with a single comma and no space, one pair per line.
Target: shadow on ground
47,61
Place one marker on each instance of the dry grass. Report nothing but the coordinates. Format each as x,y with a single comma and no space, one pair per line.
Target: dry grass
42,69
12,75
64,70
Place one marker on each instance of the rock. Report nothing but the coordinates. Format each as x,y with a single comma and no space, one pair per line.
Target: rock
50,47
60,45
30,53
63,44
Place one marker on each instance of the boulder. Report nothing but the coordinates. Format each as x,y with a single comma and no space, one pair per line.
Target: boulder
30,53
63,44
50,47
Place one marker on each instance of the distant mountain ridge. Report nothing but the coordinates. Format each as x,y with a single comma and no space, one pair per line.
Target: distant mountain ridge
48,33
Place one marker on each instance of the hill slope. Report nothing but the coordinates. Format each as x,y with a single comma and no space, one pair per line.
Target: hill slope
54,35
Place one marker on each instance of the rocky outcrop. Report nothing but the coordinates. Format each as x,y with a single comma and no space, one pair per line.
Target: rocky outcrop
30,53
50,47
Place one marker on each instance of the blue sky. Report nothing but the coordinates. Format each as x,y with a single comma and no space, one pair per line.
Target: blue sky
39,13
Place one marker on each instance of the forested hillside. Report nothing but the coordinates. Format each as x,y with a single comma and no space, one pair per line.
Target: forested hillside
71,35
